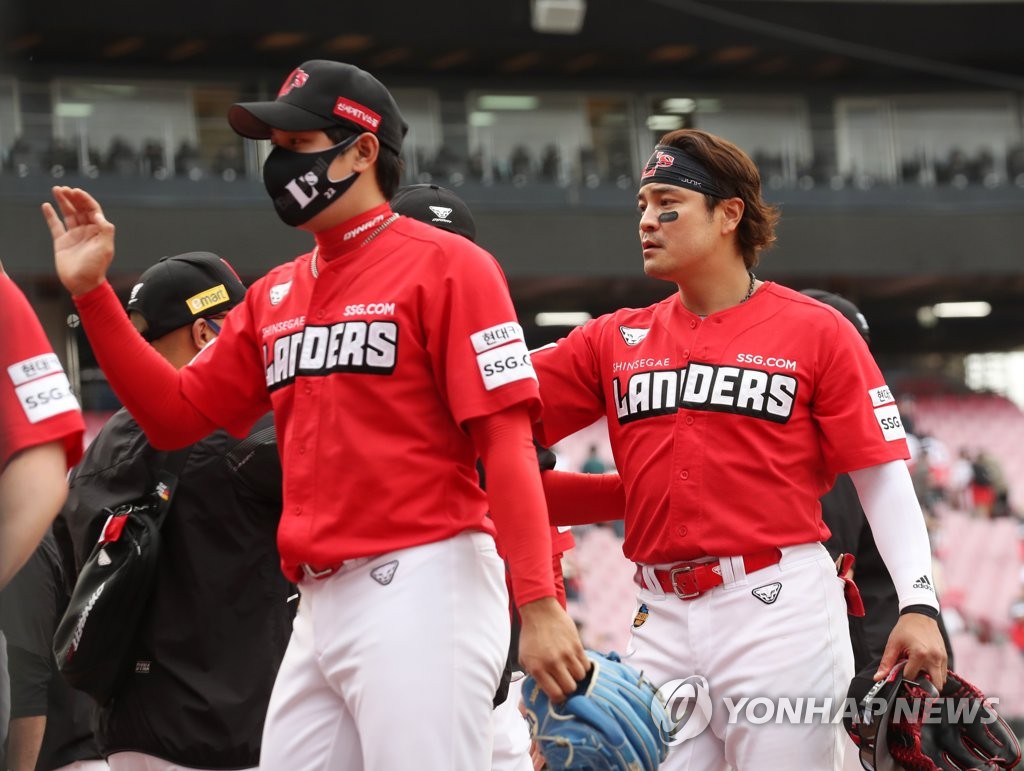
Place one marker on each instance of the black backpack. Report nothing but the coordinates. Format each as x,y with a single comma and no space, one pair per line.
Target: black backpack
96,636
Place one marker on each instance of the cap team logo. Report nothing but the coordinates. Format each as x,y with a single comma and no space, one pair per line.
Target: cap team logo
135,293
441,213
297,79
632,335
687,711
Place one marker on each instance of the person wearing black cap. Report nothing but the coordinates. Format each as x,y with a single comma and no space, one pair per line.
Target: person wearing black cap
392,359
436,206
442,208
209,647
851,534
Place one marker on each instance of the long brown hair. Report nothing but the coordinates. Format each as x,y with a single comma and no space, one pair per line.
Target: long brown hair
736,172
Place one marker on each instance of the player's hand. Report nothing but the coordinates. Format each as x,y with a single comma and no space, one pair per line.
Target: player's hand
916,638
550,649
83,240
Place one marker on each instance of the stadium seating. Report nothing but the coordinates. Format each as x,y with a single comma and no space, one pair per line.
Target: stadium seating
978,421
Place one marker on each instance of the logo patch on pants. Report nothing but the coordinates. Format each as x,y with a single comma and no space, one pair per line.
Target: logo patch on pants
768,593
641,615
383,574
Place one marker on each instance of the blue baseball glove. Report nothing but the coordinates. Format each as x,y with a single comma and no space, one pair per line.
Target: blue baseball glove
612,722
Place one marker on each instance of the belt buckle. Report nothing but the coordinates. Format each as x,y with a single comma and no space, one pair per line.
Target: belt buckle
675,586
316,575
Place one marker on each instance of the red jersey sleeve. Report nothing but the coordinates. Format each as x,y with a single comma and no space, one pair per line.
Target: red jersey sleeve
569,384
479,352
36,402
855,411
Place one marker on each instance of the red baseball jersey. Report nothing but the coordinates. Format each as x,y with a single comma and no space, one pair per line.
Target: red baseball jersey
375,365
727,429
36,402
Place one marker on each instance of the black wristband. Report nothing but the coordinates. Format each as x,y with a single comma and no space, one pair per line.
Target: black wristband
924,610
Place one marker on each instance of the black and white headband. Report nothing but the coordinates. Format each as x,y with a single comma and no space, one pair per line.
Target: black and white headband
673,166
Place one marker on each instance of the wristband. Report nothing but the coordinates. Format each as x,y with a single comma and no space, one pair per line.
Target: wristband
924,610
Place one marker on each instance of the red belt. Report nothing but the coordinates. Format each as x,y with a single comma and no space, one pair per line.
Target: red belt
687,580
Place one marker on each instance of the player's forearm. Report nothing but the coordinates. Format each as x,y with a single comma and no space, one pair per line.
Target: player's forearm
24,741
146,383
33,487
582,499
516,500
887,496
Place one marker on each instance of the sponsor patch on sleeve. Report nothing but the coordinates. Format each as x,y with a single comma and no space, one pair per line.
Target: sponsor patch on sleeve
502,334
38,366
499,366
881,395
45,397
888,418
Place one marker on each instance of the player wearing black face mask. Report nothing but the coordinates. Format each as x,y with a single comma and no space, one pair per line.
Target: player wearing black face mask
300,184
390,351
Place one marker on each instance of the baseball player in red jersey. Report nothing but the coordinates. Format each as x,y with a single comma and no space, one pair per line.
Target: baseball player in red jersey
731,407
41,431
378,352
440,207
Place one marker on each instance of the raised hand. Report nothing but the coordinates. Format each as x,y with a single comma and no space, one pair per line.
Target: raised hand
83,239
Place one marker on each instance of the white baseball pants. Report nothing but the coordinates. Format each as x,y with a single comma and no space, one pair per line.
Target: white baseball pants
797,646
394,672
511,732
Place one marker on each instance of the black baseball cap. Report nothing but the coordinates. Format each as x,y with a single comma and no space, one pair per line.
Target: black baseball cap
844,306
180,289
436,206
322,94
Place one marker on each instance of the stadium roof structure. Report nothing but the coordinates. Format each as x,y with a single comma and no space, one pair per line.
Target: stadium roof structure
830,42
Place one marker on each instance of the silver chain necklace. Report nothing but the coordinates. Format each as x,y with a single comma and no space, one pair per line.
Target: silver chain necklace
380,228
750,289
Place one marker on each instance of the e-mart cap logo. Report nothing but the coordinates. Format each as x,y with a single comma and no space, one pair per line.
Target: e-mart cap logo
205,300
